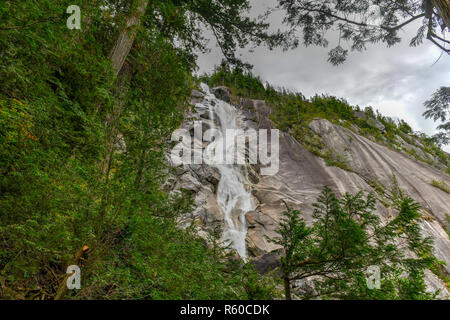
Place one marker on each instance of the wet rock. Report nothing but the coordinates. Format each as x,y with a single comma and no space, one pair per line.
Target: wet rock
251,219
210,212
211,174
253,175
222,93
188,182
197,94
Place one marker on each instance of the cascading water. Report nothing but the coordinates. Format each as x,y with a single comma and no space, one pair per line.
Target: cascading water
232,196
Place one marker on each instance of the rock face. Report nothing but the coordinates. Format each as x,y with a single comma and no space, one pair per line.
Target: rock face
302,176
222,93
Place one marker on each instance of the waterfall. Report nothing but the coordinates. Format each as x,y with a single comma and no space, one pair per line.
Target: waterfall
233,198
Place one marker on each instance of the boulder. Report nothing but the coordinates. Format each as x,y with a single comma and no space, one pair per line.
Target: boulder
197,94
222,93
260,225
210,213
267,262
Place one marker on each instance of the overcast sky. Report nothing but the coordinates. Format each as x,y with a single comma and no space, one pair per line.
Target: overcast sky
395,80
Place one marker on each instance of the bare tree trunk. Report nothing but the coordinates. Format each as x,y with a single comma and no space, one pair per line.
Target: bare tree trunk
443,7
62,290
287,288
126,37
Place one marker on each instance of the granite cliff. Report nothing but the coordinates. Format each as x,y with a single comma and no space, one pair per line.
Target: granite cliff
369,166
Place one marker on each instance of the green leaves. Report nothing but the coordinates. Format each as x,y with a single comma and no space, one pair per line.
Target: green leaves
360,22
438,108
83,163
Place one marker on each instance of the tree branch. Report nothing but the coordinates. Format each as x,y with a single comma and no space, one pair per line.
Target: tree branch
430,37
434,35
438,45
404,23
363,24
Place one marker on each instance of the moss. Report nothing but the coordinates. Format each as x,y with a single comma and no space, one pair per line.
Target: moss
336,160
441,185
377,186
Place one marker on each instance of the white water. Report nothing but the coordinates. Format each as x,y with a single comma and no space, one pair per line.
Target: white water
232,197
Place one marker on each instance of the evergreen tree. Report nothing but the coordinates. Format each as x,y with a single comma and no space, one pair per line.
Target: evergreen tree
345,239
438,108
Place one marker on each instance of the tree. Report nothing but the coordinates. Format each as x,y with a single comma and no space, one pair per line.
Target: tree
294,235
184,23
366,21
345,239
438,108
125,40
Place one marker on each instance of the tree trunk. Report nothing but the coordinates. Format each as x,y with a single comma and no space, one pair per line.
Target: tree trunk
62,290
443,7
124,42
287,288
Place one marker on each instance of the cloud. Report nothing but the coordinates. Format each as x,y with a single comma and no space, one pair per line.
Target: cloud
395,80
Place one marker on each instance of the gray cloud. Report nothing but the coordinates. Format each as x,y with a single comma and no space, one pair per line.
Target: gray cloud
395,80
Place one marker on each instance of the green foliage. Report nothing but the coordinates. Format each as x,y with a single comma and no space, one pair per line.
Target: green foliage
184,22
447,223
404,127
346,238
438,108
441,185
155,260
241,82
362,22
82,158
336,160
294,233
